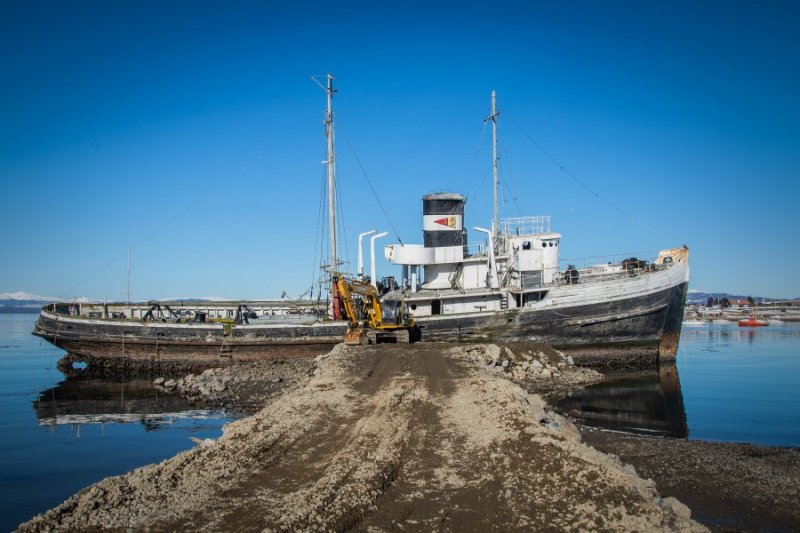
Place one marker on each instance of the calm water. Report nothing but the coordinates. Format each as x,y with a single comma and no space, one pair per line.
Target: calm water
60,435
732,384
742,384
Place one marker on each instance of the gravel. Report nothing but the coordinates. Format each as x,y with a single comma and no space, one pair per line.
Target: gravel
377,438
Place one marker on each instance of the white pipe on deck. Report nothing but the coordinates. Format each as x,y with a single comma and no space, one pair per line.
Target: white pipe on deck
360,271
494,282
372,257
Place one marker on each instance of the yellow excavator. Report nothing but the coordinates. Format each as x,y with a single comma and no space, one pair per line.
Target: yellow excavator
371,323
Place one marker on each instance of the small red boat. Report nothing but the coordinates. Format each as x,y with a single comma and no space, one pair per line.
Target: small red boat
753,321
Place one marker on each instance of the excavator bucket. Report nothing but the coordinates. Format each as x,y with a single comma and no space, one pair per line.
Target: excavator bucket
355,336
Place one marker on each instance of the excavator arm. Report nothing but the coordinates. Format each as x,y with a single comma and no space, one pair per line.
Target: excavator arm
348,288
346,297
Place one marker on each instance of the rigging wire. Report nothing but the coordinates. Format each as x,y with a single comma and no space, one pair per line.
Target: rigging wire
318,238
475,154
583,184
508,172
340,223
137,243
486,175
369,182
505,194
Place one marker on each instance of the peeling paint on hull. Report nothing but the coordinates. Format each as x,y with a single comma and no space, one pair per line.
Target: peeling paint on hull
156,344
642,324
624,323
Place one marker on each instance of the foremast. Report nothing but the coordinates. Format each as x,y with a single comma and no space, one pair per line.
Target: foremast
330,161
495,159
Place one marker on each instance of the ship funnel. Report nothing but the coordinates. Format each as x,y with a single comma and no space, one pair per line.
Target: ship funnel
443,220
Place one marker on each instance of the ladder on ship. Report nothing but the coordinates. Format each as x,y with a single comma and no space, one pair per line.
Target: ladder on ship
504,302
455,278
225,349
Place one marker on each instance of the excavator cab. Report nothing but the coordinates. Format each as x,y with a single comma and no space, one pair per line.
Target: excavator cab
391,315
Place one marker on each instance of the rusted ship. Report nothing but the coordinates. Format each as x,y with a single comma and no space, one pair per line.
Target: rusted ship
511,287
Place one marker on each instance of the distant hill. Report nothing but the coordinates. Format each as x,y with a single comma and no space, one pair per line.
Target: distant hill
25,302
700,298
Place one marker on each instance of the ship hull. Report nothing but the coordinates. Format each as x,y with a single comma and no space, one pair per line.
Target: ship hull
610,328
625,318
141,345
636,329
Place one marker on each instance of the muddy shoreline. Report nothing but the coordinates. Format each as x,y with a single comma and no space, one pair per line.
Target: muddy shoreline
438,437
728,486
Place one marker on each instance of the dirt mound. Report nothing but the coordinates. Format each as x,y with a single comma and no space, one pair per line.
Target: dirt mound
379,438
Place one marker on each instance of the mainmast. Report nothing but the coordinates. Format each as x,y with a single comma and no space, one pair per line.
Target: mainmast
331,177
495,159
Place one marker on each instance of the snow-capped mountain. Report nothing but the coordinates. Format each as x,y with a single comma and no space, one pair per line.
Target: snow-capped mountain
21,296
26,302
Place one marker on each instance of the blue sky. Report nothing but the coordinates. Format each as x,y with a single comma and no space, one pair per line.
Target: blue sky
192,132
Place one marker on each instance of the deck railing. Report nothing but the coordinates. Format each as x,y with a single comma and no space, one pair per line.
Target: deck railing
471,250
586,270
590,261
525,225
597,269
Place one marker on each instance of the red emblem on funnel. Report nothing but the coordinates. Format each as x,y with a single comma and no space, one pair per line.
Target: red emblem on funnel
450,222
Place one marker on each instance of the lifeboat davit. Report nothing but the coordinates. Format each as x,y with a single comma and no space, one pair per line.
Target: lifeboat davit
752,321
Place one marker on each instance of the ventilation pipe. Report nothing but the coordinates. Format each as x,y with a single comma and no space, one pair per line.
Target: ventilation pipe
372,257
494,283
361,236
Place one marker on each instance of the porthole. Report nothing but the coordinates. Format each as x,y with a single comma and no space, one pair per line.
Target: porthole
544,245
551,244
413,307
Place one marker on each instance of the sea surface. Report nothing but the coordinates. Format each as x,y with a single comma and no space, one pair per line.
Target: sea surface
729,383
742,384
59,435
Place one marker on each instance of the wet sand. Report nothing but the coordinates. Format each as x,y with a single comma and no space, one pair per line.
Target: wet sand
729,487
432,437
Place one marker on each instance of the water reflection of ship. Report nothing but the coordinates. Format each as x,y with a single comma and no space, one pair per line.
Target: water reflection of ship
646,402
96,401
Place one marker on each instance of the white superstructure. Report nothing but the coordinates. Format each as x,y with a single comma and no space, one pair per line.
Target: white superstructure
516,267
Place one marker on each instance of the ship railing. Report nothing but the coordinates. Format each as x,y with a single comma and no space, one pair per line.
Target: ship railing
538,225
598,269
597,261
476,249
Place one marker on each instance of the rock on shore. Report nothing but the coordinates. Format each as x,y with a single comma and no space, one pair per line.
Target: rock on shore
385,437
245,386
534,366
